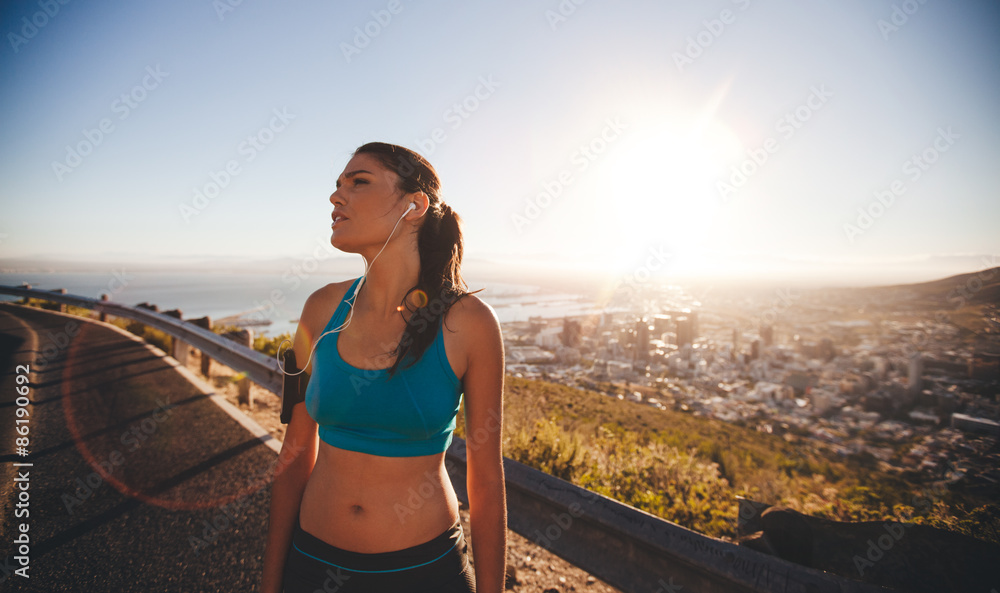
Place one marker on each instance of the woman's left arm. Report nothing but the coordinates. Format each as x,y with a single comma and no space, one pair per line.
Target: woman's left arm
483,387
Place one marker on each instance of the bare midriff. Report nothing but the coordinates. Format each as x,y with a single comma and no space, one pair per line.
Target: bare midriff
369,504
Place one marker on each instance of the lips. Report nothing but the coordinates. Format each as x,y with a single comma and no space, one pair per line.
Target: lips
337,218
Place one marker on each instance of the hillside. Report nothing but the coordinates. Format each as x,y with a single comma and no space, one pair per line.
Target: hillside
974,288
690,469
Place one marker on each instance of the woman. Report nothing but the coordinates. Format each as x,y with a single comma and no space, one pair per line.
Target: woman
361,500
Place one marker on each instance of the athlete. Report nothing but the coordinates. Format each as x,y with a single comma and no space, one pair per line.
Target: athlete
361,499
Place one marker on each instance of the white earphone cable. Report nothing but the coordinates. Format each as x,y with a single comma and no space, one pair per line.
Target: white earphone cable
351,300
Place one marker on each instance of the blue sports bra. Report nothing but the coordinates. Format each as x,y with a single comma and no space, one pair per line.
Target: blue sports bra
411,414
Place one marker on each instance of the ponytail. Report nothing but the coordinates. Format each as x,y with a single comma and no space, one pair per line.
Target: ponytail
440,244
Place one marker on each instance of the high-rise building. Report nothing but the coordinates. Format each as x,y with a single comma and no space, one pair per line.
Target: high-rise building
767,334
642,340
662,324
685,330
684,323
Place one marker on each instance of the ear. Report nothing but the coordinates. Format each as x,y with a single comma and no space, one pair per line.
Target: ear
423,203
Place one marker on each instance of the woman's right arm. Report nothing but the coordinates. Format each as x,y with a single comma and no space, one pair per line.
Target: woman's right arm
295,464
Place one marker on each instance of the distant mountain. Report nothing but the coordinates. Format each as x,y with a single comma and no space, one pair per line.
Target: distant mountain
974,288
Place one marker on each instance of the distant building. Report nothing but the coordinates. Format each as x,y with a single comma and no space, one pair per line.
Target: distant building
567,356
662,324
984,366
917,417
549,338
642,341
826,349
685,323
685,331
881,368
914,382
529,355
571,331
767,335
822,400
973,424
611,370
800,381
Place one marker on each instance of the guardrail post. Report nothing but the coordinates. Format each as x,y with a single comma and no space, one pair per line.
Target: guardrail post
245,337
102,316
178,347
62,306
206,361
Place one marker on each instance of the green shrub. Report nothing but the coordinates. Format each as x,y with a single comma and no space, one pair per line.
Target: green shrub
161,340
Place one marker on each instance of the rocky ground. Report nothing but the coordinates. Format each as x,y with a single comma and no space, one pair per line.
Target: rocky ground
530,568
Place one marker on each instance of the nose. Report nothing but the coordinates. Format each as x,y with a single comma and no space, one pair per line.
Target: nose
335,198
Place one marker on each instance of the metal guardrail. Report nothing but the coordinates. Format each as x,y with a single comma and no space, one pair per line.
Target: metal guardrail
628,548
261,369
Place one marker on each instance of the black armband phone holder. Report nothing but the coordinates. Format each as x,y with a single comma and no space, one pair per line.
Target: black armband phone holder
293,387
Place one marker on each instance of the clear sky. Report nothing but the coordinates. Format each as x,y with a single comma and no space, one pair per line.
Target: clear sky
725,133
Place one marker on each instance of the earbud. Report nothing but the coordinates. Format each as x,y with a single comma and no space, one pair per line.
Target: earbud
413,206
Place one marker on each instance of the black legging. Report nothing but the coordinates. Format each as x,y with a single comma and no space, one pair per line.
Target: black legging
440,565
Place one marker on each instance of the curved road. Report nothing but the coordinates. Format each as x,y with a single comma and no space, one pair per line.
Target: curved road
138,482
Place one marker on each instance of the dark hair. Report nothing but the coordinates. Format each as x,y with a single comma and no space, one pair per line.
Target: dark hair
440,245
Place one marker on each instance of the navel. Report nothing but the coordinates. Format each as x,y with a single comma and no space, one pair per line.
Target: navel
357,509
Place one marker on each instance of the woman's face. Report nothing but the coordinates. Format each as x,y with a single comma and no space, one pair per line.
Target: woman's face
366,204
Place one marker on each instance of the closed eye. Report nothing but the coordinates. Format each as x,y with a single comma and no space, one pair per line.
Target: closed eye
356,180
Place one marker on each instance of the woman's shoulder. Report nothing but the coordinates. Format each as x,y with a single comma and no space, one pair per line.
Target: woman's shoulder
319,306
470,314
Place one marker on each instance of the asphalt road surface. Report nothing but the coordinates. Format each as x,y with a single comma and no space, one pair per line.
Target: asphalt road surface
137,482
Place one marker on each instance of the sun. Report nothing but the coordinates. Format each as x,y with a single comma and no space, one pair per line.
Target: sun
659,185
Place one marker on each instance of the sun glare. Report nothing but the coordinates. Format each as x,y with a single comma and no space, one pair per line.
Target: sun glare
660,182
